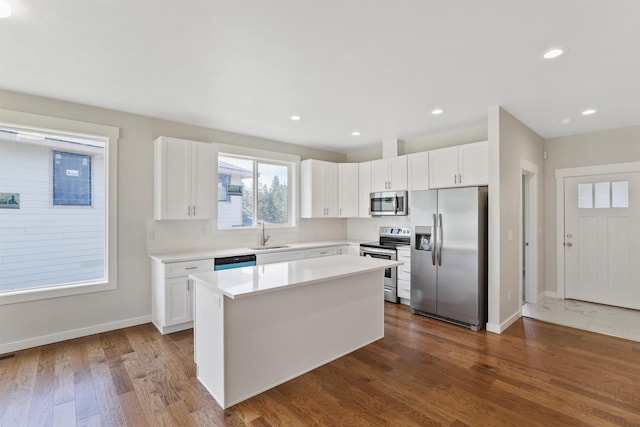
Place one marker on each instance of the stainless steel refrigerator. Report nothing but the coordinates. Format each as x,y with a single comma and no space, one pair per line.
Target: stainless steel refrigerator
449,255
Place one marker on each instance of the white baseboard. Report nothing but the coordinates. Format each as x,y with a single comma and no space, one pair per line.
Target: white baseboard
500,328
71,334
551,294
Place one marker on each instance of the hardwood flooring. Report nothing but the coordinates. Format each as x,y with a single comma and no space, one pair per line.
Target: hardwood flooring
424,372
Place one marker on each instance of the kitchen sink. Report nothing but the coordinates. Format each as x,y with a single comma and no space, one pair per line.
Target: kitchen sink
262,248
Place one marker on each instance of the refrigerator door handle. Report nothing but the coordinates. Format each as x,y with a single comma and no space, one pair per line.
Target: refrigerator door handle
439,239
433,241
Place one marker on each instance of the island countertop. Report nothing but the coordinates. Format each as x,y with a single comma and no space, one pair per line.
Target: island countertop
246,281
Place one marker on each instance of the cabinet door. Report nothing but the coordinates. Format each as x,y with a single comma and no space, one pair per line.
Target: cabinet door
321,252
397,172
311,189
474,163
330,191
418,165
443,167
178,300
379,175
364,189
172,178
204,180
348,190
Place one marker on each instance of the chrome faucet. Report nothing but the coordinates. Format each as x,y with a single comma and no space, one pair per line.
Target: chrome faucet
264,239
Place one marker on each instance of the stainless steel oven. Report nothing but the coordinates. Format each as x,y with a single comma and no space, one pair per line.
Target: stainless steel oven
390,274
385,248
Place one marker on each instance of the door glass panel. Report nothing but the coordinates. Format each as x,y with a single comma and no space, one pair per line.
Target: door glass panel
602,195
620,194
585,195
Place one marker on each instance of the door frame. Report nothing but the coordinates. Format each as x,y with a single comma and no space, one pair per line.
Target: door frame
529,171
560,175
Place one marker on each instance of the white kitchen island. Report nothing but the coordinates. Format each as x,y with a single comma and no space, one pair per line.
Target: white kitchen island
257,327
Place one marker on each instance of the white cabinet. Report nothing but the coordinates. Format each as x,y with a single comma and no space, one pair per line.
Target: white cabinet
364,189
389,174
320,252
282,256
185,179
351,249
348,190
318,189
172,293
418,171
460,166
404,274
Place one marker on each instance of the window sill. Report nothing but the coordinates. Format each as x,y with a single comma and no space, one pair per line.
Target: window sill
26,295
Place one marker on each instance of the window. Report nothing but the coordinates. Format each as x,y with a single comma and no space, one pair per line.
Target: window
71,179
46,249
257,190
223,187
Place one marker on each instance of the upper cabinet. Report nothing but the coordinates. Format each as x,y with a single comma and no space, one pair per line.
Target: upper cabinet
460,166
389,174
318,189
348,190
418,171
185,179
364,189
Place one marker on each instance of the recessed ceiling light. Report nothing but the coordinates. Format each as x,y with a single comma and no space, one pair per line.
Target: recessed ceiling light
553,53
355,133
5,9
295,117
437,111
566,121
588,112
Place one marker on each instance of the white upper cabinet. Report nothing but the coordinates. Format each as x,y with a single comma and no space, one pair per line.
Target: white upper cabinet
460,166
185,179
389,174
364,189
348,190
418,171
318,189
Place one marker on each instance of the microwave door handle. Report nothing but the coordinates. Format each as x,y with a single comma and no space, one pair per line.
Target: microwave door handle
433,241
395,205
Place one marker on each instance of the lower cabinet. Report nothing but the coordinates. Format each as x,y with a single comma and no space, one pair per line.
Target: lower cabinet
172,293
404,274
271,257
320,252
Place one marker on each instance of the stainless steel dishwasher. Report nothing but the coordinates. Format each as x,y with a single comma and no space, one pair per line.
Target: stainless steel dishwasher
238,261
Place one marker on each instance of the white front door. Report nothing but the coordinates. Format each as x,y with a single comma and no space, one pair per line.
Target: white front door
602,239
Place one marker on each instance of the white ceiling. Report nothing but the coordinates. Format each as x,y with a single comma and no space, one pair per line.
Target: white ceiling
376,66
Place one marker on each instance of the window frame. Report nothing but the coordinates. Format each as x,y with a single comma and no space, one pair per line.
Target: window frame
261,156
27,122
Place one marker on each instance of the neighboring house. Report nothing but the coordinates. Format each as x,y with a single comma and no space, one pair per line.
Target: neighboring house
54,233
230,180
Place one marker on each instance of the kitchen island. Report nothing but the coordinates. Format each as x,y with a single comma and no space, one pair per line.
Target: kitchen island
257,327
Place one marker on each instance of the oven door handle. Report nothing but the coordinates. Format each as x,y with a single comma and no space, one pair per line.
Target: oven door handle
377,251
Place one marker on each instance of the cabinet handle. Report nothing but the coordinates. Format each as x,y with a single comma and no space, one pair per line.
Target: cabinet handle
455,178
194,210
459,178
191,268
188,284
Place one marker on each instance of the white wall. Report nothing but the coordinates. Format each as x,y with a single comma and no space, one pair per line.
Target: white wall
510,142
597,148
38,322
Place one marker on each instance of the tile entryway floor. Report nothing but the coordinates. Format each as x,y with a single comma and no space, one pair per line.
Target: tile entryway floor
603,319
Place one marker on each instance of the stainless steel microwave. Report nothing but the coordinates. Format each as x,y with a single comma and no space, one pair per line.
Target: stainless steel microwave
389,203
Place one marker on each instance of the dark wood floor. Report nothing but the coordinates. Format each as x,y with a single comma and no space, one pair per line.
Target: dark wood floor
423,372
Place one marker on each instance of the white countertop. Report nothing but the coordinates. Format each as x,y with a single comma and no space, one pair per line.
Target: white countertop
241,282
216,253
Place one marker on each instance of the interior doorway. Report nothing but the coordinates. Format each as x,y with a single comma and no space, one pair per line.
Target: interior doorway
528,233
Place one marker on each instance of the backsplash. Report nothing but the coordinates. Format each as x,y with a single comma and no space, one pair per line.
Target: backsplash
178,236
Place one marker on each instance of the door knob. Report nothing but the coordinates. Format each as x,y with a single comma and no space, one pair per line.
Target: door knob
569,244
